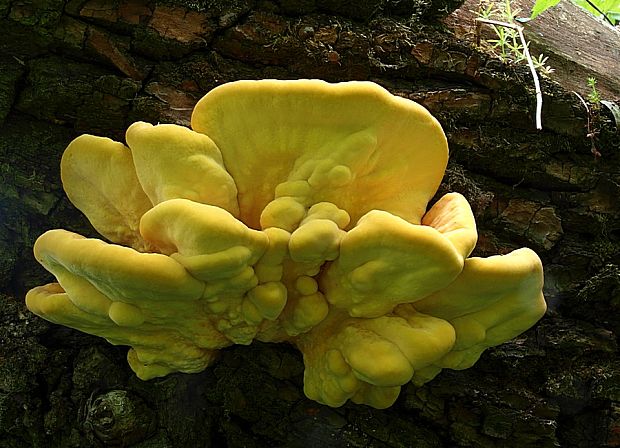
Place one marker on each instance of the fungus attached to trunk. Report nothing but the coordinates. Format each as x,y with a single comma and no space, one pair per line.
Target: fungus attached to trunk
293,211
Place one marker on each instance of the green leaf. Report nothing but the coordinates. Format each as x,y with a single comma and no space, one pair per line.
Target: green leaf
611,8
608,6
542,5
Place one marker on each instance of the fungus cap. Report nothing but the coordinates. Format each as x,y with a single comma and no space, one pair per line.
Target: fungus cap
100,179
353,144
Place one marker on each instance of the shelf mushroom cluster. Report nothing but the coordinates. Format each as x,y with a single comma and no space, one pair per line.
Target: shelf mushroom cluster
291,211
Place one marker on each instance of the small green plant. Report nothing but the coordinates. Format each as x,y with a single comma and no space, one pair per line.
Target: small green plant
507,44
540,63
593,96
511,41
592,115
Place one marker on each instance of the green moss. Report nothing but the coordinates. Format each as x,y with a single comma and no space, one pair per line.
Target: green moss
56,88
42,15
90,98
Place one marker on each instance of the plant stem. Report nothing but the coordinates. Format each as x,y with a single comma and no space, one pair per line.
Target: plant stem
526,53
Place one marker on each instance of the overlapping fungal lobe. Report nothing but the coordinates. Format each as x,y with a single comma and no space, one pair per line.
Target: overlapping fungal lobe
99,177
293,211
292,144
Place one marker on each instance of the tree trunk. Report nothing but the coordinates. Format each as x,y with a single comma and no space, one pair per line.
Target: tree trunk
92,66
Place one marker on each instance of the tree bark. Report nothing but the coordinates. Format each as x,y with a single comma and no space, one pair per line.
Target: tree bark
92,66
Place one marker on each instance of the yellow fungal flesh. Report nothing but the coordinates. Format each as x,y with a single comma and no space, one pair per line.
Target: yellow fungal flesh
292,211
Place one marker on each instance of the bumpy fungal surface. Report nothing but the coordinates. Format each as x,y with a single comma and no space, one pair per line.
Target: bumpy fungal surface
293,211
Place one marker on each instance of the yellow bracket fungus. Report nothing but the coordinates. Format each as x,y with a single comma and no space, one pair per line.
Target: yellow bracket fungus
293,211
